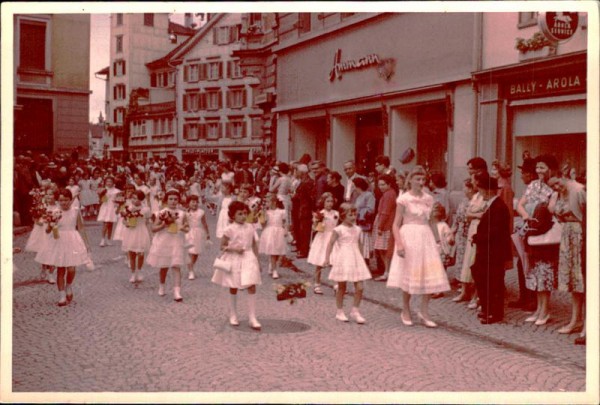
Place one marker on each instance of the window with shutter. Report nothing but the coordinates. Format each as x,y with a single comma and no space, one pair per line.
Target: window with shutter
32,43
202,71
256,127
185,102
153,80
202,101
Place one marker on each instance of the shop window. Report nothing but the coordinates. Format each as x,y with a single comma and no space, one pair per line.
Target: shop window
215,71
119,19
119,68
303,23
32,44
119,92
149,19
235,71
213,100
527,19
119,43
236,98
236,128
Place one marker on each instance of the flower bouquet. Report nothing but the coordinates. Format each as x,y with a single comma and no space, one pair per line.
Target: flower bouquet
318,224
169,218
130,216
120,202
102,194
37,211
51,218
262,218
291,291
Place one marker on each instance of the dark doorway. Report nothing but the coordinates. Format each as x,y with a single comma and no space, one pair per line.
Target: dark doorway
34,126
369,141
432,137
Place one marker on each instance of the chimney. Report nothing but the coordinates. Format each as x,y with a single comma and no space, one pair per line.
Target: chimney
188,20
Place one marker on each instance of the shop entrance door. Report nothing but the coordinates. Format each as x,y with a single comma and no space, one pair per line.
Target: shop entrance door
369,141
432,137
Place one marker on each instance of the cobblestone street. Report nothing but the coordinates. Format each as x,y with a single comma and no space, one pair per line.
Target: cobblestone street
116,337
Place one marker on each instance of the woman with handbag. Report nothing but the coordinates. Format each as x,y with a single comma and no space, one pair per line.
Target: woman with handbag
568,204
543,259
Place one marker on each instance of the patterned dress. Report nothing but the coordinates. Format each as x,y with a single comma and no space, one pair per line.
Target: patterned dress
462,226
476,205
570,262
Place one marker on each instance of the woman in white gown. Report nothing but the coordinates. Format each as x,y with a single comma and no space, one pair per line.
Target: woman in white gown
416,266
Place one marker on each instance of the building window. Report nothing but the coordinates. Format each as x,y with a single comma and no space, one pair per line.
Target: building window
119,19
194,131
149,19
215,71
193,73
303,24
213,130
32,45
527,19
235,71
226,34
257,127
213,100
118,115
139,128
119,68
119,92
194,101
236,98
162,79
119,43
236,129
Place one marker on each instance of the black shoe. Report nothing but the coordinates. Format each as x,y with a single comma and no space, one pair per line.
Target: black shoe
580,340
490,320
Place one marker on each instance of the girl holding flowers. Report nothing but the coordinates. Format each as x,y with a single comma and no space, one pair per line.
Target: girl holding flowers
167,250
107,213
323,223
275,228
136,239
42,210
67,247
198,234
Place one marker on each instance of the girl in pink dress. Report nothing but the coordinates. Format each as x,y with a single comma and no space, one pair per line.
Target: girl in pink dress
323,223
198,235
135,235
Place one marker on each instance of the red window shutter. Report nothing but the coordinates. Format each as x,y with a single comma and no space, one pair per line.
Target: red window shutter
220,98
228,130
244,97
229,70
220,134
243,129
186,74
115,93
220,70
202,101
153,80
202,71
201,131
186,130
185,102
124,71
215,37
114,68
229,103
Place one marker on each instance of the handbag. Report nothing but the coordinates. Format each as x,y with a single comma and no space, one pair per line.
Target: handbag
222,265
552,237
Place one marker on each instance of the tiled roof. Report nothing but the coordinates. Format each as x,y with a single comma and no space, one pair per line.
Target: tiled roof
162,62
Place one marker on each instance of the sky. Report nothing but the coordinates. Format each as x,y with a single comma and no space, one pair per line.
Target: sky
99,59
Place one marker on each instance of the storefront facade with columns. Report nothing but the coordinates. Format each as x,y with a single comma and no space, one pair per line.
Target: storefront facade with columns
376,84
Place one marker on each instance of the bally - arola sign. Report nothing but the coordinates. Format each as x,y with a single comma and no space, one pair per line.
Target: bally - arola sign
385,67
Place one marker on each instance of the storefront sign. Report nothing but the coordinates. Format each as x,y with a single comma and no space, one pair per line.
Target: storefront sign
384,65
546,86
558,26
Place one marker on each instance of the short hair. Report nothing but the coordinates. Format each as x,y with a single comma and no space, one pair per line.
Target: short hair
440,210
504,170
345,209
384,160
548,160
140,195
284,167
361,183
65,192
171,191
478,163
236,206
387,179
417,171
247,187
324,197
335,175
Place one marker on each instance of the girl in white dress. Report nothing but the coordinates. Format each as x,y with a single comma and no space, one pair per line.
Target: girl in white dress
239,247
38,236
167,249
87,197
154,195
416,267
94,186
273,240
139,180
107,213
122,201
323,223
223,218
136,239
198,235
66,248
347,262
75,190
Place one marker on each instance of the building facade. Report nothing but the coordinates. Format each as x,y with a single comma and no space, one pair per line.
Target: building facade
51,54
532,99
358,85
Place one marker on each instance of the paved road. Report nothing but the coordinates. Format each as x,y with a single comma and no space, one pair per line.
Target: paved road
120,338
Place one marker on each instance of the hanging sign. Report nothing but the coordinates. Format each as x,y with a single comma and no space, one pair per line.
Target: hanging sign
558,26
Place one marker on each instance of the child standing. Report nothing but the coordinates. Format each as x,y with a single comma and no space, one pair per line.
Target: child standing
446,243
239,248
43,209
167,249
273,238
347,262
223,217
122,201
323,223
107,213
74,189
136,239
198,233
87,196
67,247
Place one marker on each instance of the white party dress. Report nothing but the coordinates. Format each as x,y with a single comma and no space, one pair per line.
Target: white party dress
196,237
87,196
167,249
107,212
245,269
223,218
68,250
318,248
272,238
137,238
421,270
347,262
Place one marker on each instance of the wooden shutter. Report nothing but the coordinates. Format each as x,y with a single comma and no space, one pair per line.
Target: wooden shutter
201,131
244,97
215,36
153,80
202,101
256,127
220,133
124,71
186,74
202,71
220,70
229,72
229,101
228,128
114,68
220,99
244,125
185,102
186,128
114,92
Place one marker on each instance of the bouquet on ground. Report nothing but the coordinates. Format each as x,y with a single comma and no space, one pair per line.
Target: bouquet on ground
130,216
318,224
51,218
291,291
169,219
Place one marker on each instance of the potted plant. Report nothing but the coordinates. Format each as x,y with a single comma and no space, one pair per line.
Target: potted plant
538,46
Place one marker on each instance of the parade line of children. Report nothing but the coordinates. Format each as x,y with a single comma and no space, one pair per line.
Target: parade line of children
169,230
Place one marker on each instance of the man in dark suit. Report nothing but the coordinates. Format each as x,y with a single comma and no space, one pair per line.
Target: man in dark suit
492,251
302,208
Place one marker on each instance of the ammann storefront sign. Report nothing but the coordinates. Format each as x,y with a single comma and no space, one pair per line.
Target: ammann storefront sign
385,67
